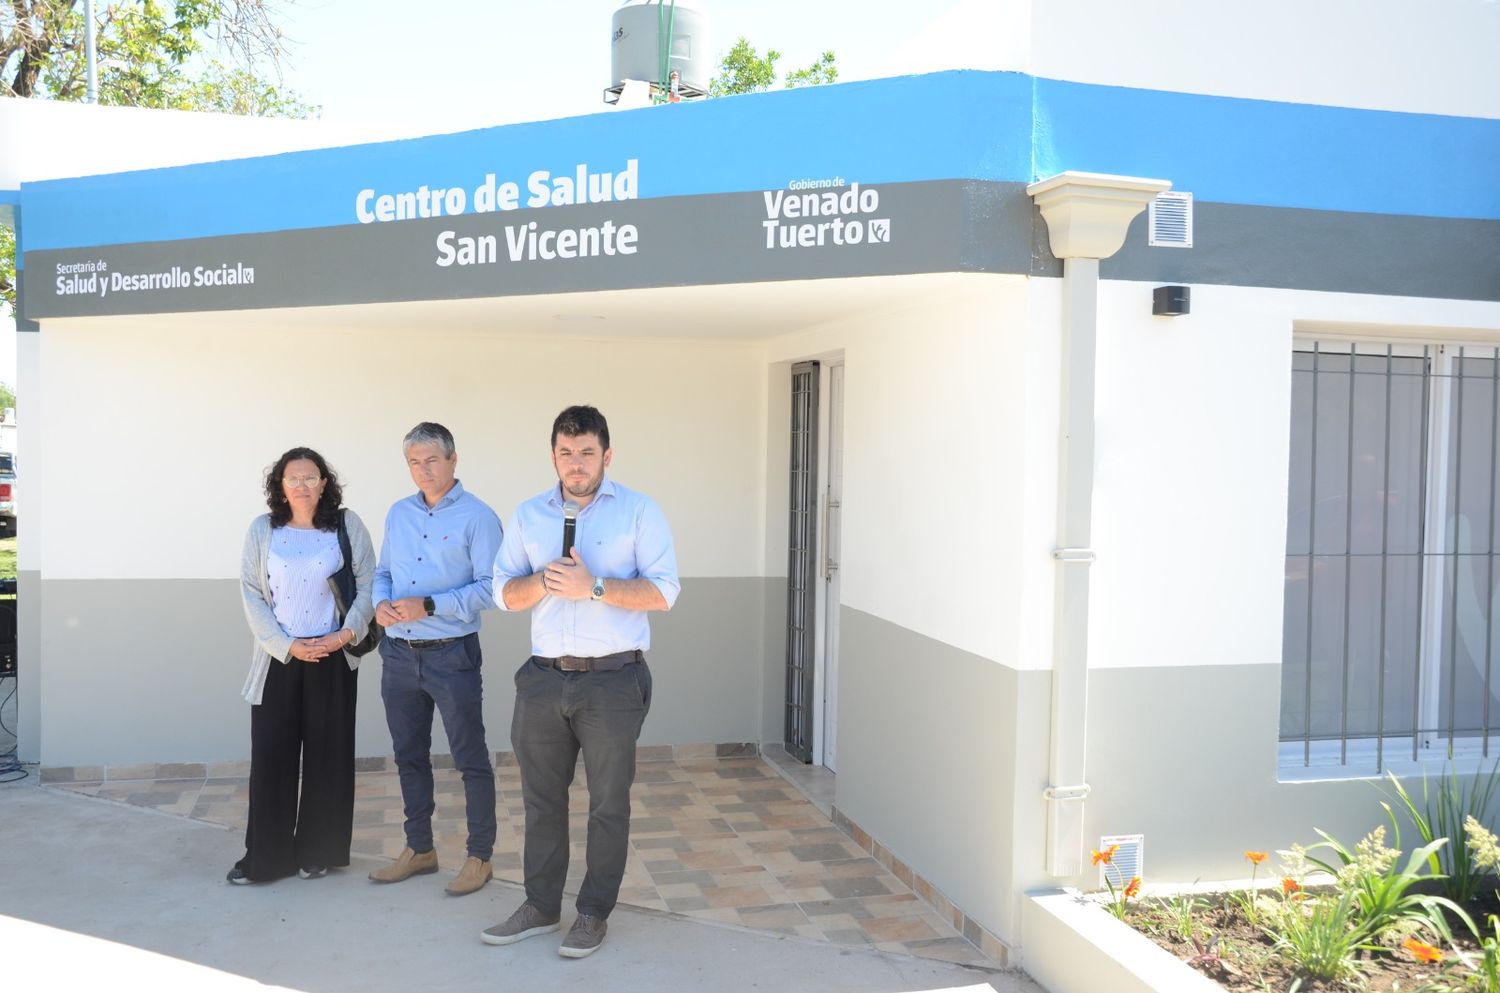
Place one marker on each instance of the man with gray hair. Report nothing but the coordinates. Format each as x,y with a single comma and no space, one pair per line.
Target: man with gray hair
433,579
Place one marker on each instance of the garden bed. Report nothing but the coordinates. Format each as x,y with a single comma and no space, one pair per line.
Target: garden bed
1377,916
1212,934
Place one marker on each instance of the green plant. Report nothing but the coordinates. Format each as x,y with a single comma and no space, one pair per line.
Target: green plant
1245,899
1178,913
1446,808
1489,962
1383,892
1321,936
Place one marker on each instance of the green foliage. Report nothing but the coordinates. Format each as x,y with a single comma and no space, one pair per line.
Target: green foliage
1321,936
7,396
1384,894
151,53
208,55
1488,969
744,70
1178,914
7,270
1446,806
821,71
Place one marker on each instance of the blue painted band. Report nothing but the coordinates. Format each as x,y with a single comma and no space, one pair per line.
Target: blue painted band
1002,127
1260,153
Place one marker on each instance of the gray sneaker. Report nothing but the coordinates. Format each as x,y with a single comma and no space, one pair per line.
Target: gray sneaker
584,937
524,923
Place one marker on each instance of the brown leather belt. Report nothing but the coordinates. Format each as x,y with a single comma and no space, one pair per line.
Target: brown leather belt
602,663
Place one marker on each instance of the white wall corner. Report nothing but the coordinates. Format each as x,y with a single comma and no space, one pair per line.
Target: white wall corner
1088,213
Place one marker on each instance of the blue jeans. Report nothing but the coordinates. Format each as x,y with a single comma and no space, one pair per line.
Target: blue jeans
412,681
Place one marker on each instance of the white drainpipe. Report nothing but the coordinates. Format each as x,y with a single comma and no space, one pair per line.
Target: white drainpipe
1087,216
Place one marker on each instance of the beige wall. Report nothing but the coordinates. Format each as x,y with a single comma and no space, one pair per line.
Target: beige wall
157,438
129,403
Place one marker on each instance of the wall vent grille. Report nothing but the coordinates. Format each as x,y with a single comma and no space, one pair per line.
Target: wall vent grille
1129,859
1171,220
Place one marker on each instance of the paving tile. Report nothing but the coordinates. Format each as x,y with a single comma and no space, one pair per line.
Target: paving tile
855,886
819,852
847,936
898,929
721,839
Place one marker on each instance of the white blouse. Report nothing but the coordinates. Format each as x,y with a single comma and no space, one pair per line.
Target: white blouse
299,564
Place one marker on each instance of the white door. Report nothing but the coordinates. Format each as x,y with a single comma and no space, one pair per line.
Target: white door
833,505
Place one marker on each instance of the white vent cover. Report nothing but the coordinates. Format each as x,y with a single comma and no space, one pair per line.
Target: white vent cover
1129,859
1171,220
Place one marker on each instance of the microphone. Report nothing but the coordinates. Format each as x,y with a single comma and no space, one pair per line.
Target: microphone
570,526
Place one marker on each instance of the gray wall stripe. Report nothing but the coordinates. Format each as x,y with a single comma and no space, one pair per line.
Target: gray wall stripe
946,226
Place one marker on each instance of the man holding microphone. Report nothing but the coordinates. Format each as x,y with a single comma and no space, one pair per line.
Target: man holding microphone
586,686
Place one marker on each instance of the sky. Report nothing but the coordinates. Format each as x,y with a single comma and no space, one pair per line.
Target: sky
496,61
450,64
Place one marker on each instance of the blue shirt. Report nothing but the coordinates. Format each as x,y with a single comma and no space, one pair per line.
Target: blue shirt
621,534
446,552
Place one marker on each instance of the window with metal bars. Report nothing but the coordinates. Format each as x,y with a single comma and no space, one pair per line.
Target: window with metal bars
1389,636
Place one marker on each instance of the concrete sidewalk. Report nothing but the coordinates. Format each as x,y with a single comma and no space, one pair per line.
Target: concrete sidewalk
93,891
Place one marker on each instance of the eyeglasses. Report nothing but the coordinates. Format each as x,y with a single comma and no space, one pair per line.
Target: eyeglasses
298,482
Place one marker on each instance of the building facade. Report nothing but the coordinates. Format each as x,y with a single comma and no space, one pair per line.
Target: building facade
958,515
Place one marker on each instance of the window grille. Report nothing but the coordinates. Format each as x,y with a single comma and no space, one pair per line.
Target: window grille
1390,592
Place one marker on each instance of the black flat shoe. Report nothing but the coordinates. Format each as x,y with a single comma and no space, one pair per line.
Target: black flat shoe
313,871
237,877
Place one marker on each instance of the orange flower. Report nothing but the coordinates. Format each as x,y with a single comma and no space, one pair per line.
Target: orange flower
1133,887
1102,858
1290,885
1256,858
1422,951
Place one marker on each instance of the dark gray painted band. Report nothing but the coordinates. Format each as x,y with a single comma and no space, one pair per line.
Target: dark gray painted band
23,323
1286,248
946,226
679,241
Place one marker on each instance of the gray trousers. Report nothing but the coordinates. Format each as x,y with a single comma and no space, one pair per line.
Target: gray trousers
558,714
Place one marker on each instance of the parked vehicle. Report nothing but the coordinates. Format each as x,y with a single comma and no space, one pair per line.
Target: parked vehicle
7,495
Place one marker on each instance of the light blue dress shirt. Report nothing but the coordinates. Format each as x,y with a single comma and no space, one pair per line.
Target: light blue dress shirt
621,534
446,552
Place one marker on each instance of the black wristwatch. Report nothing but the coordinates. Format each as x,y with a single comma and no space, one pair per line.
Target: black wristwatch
429,606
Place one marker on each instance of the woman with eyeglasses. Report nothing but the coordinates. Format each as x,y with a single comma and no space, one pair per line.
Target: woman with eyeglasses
301,684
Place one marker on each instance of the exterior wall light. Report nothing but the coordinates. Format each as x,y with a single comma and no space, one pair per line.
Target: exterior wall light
1170,301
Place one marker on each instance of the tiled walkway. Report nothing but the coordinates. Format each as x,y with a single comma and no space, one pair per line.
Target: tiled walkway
726,840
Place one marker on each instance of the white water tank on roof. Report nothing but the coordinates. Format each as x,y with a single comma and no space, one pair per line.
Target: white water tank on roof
644,29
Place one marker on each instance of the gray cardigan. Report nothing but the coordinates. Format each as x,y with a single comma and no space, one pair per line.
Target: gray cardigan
271,642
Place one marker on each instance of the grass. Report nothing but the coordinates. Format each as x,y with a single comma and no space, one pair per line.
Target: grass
7,558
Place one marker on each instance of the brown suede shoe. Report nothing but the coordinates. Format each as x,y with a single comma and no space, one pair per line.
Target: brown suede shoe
471,877
407,864
524,923
584,937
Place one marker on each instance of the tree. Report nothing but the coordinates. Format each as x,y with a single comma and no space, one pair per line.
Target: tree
743,70
7,396
210,55
820,72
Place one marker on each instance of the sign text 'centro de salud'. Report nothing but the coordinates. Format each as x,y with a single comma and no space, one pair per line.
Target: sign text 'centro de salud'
810,212
495,222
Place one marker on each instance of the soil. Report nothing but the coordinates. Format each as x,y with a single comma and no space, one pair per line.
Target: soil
1243,959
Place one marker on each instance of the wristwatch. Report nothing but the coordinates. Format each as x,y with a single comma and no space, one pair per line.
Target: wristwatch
598,592
429,606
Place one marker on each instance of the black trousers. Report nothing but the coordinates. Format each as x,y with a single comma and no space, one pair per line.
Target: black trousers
558,714
306,717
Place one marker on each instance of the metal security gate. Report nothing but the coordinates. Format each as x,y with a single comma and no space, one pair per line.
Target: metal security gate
1391,586
802,566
